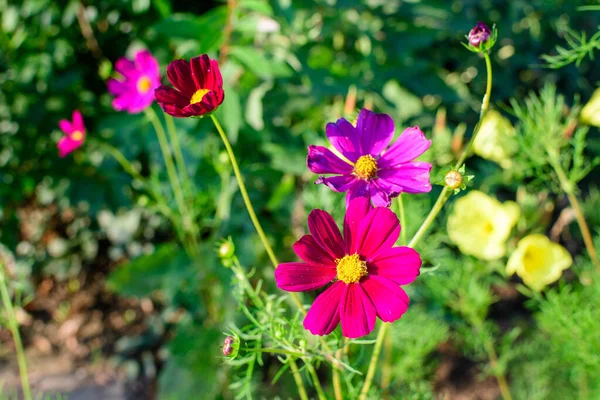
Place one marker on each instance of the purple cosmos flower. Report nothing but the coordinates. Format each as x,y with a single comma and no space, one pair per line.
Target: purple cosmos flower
370,170
74,134
135,91
479,34
365,268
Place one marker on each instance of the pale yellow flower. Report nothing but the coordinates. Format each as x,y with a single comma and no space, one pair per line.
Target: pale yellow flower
496,140
480,225
538,261
590,114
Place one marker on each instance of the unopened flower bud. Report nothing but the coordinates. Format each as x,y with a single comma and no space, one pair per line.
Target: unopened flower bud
479,35
226,249
453,179
230,346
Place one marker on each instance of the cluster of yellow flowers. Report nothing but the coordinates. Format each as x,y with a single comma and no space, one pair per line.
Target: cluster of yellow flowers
480,226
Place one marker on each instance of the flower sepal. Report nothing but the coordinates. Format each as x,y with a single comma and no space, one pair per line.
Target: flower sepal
456,180
481,38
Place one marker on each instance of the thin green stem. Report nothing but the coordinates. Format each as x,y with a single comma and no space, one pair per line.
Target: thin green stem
403,232
296,354
14,328
373,363
298,379
502,384
172,174
569,189
249,207
437,207
183,175
316,382
337,384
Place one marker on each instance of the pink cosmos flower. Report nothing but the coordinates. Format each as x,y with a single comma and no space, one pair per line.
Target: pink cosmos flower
369,170
365,269
135,91
74,134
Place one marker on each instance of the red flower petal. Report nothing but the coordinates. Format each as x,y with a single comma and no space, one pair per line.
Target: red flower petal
399,264
377,232
389,299
300,277
357,211
357,312
324,230
310,251
179,74
324,315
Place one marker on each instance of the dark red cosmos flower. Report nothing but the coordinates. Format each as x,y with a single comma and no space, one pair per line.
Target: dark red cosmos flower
197,91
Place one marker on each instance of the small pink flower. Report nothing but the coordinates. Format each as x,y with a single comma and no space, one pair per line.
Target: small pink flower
135,91
370,168
74,134
365,268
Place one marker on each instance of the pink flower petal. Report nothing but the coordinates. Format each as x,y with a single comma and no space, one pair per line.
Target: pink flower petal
321,160
360,188
116,87
399,264
325,232
78,122
324,315
67,145
309,251
357,312
300,277
179,74
377,232
375,131
389,299
65,126
344,137
339,183
357,211
125,67
410,145
146,63
412,177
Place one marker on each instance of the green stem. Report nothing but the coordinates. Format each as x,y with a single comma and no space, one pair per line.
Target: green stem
249,207
316,381
373,363
14,328
172,174
337,384
183,175
298,379
403,232
439,204
569,189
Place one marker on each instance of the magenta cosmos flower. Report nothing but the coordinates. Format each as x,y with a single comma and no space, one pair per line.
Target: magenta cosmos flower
74,134
140,76
365,269
369,170
198,88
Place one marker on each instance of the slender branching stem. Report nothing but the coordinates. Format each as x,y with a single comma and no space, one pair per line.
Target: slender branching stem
13,325
298,379
337,384
316,381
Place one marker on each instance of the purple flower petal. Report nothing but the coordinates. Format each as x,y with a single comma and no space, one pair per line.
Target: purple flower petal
309,251
382,193
360,188
321,160
412,177
344,137
375,131
357,312
324,315
410,145
377,232
389,299
300,277
326,233
146,63
399,264
339,183
355,214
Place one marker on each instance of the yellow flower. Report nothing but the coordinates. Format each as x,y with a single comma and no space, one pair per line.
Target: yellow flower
496,140
590,114
538,261
480,225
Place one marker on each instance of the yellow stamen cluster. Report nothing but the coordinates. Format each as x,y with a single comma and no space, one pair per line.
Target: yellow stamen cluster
198,96
143,85
350,268
365,167
77,136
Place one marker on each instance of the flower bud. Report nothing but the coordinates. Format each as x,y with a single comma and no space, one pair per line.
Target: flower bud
226,249
231,346
479,34
453,179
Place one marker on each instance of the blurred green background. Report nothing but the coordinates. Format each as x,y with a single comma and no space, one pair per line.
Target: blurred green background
91,248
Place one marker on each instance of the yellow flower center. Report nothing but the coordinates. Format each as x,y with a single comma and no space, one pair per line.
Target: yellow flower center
365,167
143,85
77,136
198,96
350,268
